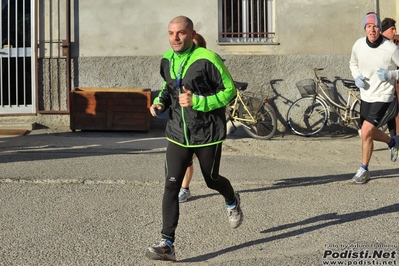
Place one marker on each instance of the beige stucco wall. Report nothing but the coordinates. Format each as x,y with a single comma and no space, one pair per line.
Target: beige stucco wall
135,28
139,28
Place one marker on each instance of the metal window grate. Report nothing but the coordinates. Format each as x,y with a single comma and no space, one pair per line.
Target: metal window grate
245,21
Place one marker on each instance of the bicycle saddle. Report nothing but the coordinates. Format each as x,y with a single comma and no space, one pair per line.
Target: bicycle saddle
350,84
242,86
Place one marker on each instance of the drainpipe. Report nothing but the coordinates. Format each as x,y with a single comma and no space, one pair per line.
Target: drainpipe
377,7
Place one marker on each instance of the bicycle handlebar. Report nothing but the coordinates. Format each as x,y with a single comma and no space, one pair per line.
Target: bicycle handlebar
315,70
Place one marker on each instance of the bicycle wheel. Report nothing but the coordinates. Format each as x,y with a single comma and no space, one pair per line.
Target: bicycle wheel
266,121
355,113
307,116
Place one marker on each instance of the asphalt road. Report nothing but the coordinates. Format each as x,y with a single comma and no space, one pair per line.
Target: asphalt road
94,198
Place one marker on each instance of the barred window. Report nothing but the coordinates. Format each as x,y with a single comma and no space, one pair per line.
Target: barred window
245,21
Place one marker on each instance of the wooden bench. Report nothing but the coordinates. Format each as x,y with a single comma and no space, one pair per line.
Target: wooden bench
110,109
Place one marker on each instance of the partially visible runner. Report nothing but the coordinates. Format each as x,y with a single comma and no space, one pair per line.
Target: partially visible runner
388,30
185,193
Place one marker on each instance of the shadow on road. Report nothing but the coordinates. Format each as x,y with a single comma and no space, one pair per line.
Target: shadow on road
36,147
305,226
311,181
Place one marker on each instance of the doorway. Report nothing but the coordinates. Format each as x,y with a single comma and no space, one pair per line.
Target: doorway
16,89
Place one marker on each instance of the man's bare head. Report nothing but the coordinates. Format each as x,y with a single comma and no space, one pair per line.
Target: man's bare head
184,20
181,33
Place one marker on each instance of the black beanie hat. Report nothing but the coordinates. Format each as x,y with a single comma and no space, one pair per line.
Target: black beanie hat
386,25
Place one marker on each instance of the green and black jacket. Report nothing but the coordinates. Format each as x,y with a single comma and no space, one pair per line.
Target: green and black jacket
204,73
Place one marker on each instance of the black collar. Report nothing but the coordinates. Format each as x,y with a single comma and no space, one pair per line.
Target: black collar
376,43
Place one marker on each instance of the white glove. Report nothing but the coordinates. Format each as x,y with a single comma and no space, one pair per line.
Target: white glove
359,82
385,74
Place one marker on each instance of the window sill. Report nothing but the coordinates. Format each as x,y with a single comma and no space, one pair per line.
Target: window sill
247,43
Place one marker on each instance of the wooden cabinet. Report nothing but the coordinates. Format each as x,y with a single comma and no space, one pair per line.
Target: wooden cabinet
110,109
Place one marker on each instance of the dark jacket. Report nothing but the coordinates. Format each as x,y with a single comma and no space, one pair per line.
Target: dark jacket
204,73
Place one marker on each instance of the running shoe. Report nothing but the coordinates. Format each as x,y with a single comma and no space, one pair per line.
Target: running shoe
184,195
394,150
235,214
362,176
161,251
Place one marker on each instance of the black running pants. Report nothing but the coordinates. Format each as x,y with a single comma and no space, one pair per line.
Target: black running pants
177,160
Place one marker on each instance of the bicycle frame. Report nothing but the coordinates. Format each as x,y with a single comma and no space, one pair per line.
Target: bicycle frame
352,99
253,113
235,105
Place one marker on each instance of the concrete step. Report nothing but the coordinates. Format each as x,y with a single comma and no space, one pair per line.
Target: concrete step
13,125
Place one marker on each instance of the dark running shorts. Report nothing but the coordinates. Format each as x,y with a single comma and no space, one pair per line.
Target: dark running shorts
373,112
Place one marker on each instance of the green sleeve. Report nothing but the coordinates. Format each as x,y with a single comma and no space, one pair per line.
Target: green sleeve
225,91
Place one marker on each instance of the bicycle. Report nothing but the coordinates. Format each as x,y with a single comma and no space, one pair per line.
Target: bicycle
254,113
308,115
